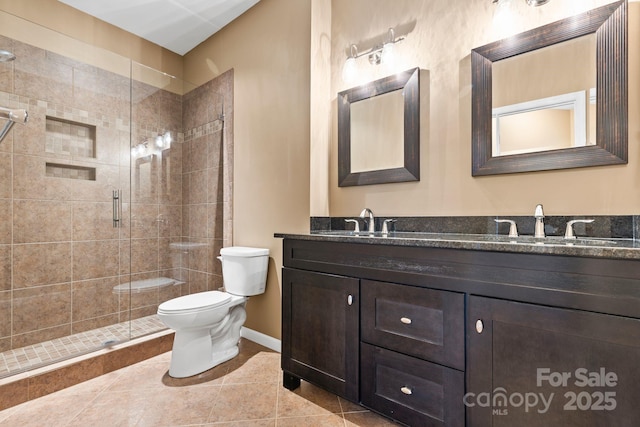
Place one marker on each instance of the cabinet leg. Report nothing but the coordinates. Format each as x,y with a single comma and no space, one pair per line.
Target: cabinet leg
289,381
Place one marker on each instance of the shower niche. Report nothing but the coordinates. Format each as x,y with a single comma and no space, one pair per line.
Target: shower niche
71,140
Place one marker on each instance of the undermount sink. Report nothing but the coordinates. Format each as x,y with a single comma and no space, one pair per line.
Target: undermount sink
488,238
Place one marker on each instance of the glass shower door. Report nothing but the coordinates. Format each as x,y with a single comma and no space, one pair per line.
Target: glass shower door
62,256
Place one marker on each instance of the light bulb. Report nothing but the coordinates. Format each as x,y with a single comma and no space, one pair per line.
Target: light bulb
388,53
349,69
502,17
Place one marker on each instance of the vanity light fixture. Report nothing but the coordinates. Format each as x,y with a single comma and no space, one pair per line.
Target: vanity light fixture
382,53
160,142
529,2
537,2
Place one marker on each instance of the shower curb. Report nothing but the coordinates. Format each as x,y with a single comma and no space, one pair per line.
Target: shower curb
30,385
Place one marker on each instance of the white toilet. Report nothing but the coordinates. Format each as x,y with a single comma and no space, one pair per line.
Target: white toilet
207,324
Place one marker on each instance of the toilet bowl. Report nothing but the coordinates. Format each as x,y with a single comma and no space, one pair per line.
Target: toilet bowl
207,324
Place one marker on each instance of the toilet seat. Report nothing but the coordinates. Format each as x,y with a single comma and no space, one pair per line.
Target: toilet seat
194,303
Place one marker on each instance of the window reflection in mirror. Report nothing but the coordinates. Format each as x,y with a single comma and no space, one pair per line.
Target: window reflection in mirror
609,146
545,99
377,147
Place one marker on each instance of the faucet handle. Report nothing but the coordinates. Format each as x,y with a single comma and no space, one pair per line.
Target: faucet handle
385,225
513,228
568,234
539,213
357,224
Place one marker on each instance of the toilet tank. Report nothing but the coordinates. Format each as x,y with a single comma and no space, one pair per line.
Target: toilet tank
244,270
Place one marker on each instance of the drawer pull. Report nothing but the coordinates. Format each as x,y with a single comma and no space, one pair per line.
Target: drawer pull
405,320
406,390
350,300
479,326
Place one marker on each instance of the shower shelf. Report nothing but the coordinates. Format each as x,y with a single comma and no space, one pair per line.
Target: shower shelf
70,138
56,170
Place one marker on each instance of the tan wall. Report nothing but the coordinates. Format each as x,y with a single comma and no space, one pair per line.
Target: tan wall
268,49
68,21
439,39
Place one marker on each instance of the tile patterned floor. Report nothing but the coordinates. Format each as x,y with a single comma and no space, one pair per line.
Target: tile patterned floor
243,392
21,359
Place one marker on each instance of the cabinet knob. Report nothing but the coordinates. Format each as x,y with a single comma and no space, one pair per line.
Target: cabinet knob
479,326
405,320
406,390
350,299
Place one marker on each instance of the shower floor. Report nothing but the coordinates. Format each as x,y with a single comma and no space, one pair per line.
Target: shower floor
33,356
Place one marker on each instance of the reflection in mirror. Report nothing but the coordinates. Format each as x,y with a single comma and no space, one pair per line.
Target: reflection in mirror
550,110
520,87
379,131
377,147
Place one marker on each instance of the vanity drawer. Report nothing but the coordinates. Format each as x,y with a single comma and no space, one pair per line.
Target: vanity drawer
420,322
410,390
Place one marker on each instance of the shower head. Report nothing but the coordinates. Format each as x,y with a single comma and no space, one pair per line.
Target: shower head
17,115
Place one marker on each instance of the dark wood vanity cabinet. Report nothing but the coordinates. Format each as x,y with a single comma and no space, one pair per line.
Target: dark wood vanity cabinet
541,366
454,337
320,329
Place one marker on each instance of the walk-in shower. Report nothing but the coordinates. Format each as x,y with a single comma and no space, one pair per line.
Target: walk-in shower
71,282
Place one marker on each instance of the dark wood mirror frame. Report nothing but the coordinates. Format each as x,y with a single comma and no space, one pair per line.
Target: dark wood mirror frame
610,24
410,81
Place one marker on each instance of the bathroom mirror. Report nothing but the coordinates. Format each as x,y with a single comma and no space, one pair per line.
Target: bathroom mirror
379,131
596,138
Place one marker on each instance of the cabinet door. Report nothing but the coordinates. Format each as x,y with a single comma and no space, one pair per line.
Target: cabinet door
320,324
532,365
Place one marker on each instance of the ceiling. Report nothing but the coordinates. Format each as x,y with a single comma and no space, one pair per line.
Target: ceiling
177,25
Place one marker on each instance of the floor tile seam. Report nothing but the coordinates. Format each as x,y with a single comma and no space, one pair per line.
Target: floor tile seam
224,382
213,406
278,394
99,392
307,417
341,408
162,387
84,408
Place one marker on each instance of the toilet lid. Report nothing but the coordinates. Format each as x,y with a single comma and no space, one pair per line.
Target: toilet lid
195,302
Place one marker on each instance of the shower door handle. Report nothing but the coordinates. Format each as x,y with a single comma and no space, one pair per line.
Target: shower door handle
116,208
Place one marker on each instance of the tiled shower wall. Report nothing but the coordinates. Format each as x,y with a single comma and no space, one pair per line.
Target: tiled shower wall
206,180
60,256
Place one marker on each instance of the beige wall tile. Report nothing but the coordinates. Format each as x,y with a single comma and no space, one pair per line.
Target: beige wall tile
144,220
39,264
40,76
5,267
94,259
41,221
94,298
144,255
5,226
6,168
5,314
42,307
93,221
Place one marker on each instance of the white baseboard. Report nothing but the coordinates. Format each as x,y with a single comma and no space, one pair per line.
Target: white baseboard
262,339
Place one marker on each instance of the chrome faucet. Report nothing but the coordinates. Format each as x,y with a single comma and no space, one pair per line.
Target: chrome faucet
539,229
366,212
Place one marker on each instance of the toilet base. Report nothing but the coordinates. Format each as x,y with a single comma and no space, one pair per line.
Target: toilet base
196,351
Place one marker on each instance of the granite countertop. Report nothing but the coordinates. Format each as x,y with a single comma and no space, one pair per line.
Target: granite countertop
554,245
